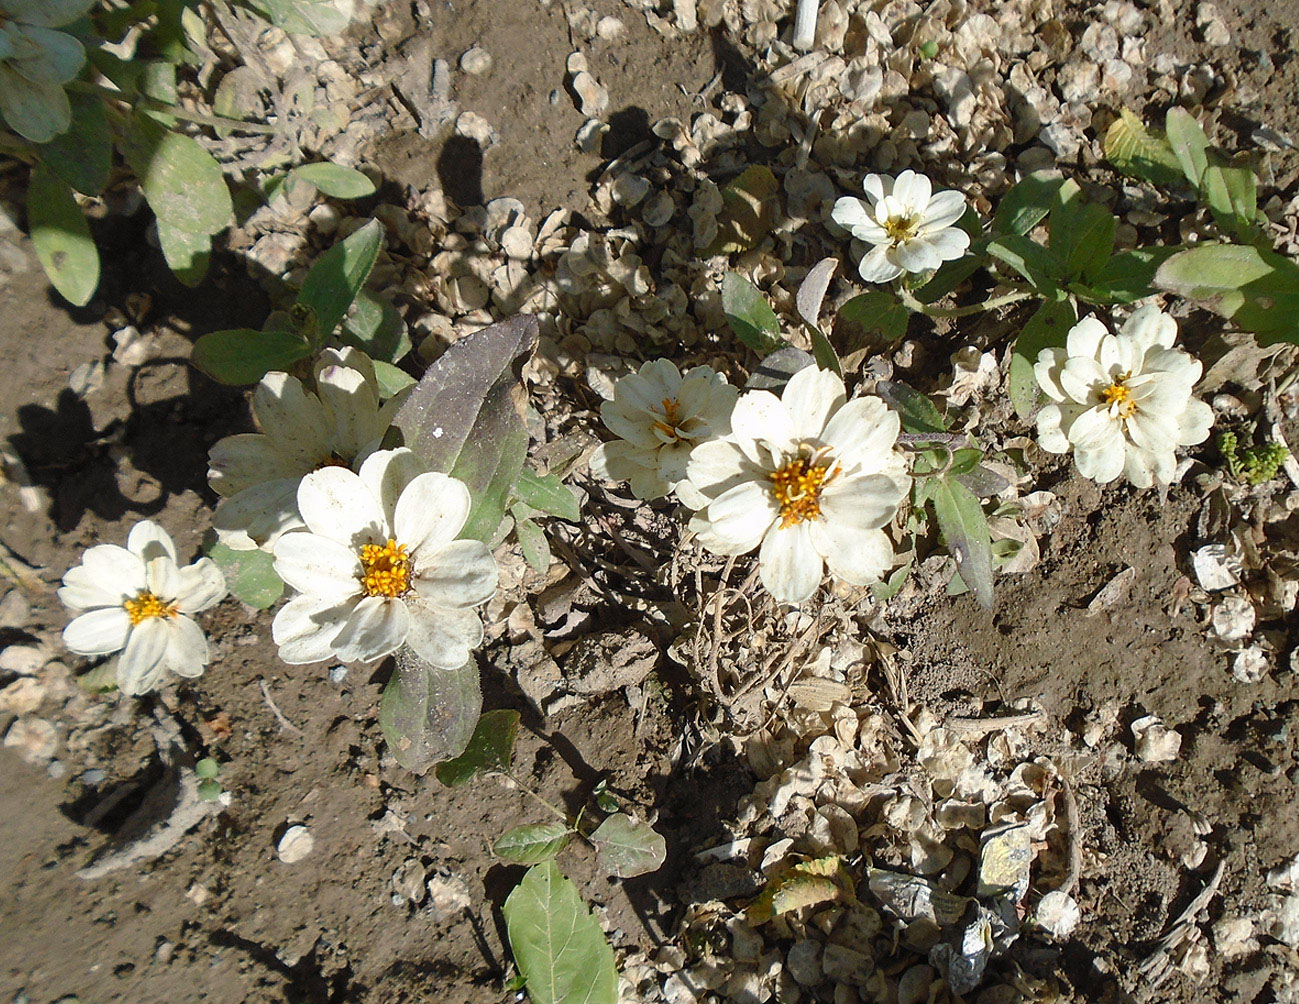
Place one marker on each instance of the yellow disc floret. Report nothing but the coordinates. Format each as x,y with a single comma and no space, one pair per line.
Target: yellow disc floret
146,605
671,419
385,569
1118,396
901,228
798,485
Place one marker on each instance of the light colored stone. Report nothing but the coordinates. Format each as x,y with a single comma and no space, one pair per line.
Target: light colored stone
34,739
476,61
296,844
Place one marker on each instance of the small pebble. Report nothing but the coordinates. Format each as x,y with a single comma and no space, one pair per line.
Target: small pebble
476,60
296,844
337,674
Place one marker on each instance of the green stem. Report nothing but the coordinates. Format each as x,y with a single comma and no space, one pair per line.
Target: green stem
540,801
911,303
200,118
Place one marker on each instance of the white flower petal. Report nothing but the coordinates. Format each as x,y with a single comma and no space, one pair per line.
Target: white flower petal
462,574
353,405
238,463
296,422
261,513
743,514
857,556
761,418
376,627
912,190
98,632
114,567
916,255
811,397
443,637
187,651
1195,423
337,504
147,540
1047,369
305,628
851,213
1153,431
862,434
944,209
865,503
1101,465
82,591
139,668
318,565
877,187
387,473
876,266
1084,338
948,244
1094,429
201,585
431,512
635,425
719,465
1149,327
1082,378
1050,436
789,564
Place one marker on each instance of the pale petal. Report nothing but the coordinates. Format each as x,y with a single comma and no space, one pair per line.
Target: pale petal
111,566
1111,358
376,627
82,591
717,466
865,503
1153,432
337,504
877,187
638,393
462,574
148,540
1082,379
1149,327
744,513
947,244
916,255
98,632
240,462
876,266
1138,467
318,565
187,651
431,513
664,375
443,637
348,356
703,531
140,666
647,483
761,418
1047,369
862,434
305,628
261,513
1094,429
944,209
387,473
811,397
854,555
296,422
162,578
353,405
635,425
1103,464
1050,435
913,190
201,585
1084,338
620,461
672,462
851,213
1195,423
789,564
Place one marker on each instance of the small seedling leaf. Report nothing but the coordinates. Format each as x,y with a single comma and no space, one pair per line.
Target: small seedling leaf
965,529
750,315
1041,267
335,180
532,843
61,237
1027,204
1139,153
307,17
629,846
377,328
243,356
533,543
546,493
1048,327
250,575
429,714
918,413
1232,195
489,750
1189,143
392,381
207,768
338,276
557,943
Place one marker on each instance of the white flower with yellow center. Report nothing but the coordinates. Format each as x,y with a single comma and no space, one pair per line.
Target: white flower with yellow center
809,477
379,566
336,425
1122,402
909,223
660,416
135,600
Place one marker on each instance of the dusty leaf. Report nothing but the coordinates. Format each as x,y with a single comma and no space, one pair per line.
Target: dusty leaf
628,846
547,493
61,237
182,182
918,412
532,843
964,527
250,575
334,180
489,750
750,314
337,277
1257,289
429,714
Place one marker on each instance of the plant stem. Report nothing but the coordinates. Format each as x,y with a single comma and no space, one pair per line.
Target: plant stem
911,303
563,817
200,118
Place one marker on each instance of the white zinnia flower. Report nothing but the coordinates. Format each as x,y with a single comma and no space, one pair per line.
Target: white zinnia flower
660,416
379,566
908,222
134,599
1122,402
808,476
337,424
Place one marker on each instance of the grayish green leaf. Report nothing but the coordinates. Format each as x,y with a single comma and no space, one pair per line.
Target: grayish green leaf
335,180
1127,276
243,356
489,750
1027,204
1042,268
629,847
547,494
1048,327
392,381
307,17
1232,195
377,328
188,255
533,543
61,237
250,575
965,530
1093,241
1257,289
776,370
532,843
918,413
338,276
182,182
1189,143
429,714
878,311
83,155
750,315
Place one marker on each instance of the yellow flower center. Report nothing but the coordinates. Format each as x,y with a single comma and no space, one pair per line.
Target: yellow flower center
798,486
333,460
671,418
902,228
146,605
1120,394
385,569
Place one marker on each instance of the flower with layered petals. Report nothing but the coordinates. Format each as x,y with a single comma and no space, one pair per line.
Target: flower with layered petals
660,416
336,425
809,478
379,566
1121,402
135,600
909,223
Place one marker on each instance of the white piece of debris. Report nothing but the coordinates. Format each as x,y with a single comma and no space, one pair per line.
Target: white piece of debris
448,896
476,61
1153,742
1058,913
34,739
1214,568
1249,665
1233,619
296,844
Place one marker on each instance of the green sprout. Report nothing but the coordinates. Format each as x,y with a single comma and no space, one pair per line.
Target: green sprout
1251,464
209,788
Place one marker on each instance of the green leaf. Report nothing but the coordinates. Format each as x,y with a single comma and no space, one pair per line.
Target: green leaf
1232,195
557,943
1127,276
335,180
750,211
1048,327
376,328
918,413
545,492
532,843
61,237
952,273
188,255
1042,268
182,182
83,155
207,768
965,529
811,292
1093,241
250,575
462,417
750,315
890,587
243,356
1188,142
629,847
307,17
101,679
392,381
1027,204
489,749
879,311
429,714
1257,289
533,543
338,275
1140,153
